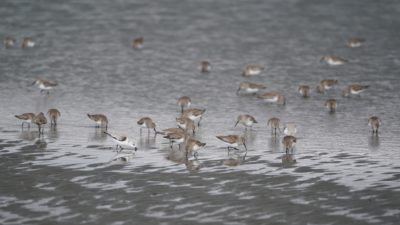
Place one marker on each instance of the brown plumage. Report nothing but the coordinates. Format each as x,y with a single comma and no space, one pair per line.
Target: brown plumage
304,90
274,123
324,85
233,141
274,97
205,67
355,42
252,69
249,87
147,122
192,145
53,114
99,119
40,120
194,114
374,122
8,42
26,118
289,142
184,102
179,138
28,43
246,119
333,60
137,43
186,124
354,89
331,105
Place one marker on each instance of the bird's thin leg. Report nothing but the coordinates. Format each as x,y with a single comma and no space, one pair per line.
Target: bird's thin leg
198,123
195,155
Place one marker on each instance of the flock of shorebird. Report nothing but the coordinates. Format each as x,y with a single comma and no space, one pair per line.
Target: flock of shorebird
190,118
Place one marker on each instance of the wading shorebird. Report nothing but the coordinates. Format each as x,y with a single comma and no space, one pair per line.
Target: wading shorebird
53,114
184,102
40,120
249,87
122,142
333,60
331,105
27,118
252,69
192,146
205,67
304,90
233,141
246,120
374,122
186,124
9,42
274,123
99,119
354,89
194,114
28,43
147,122
273,97
355,42
45,85
288,143
325,85
178,138
137,43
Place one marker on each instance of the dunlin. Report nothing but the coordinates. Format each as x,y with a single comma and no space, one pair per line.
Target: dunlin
192,146
233,141
171,130
324,85
333,60
99,119
122,141
45,85
252,69
194,114
246,120
354,89
355,42
9,42
304,90
289,142
147,122
26,118
374,122
290,129
331,105
274,97
54,114
177,138
40,120
274,124
186,124
28,43
205,67
250,88
184,102
137,43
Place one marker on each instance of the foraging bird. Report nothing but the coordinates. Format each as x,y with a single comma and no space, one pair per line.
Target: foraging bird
122,141
233,141
274,124
184,102
45,85
249,87
40,120
331,105
26,118
192,146
147,122
137,43
354,89
246,120
54,114
374,122
304,90
289,142
194,114
99,119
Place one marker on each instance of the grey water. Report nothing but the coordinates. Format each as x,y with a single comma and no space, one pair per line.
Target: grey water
72,175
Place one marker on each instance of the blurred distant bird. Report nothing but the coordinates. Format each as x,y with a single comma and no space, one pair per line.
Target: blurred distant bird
355,42
273,97
324,85
137,43
9,42
99,119
354,89
45,85
194,114
184,102
252,69
54,114
246,120
205,67
274,123
250,88
28,43
374,122
304,90
26,118
333,60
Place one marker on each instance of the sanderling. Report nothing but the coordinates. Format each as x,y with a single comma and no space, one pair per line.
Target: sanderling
28,43
304,90
274,123
374,122
324,85
137,43
184,102
331,105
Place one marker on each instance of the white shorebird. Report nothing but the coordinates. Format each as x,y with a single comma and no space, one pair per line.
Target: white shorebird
122,141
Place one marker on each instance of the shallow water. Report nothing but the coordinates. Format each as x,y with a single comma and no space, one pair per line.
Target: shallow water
342,175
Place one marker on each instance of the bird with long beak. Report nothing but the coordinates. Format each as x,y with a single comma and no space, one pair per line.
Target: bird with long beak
246,120
26,118
122,142
233,141
147,122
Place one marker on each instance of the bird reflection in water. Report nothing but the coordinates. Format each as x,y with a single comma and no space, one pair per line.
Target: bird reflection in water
28,135
40,143
288,160
98,135
53,134
147,142
373,142
193,165
274,143
120,159
235,159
